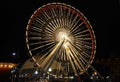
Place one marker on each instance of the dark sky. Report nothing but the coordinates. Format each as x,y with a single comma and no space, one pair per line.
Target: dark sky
102,14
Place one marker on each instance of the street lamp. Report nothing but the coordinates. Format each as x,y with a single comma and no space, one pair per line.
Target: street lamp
49,70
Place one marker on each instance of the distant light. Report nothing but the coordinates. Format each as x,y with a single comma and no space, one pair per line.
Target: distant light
91,77
108,77
7,65
92,74
97,77
95,73
50,69
25,74
76,75
10,65
12,71
1,65
36,72
13,53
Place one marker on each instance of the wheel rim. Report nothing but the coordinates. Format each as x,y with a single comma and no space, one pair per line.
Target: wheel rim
58,32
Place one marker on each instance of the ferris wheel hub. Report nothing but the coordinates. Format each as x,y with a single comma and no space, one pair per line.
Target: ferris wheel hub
61,34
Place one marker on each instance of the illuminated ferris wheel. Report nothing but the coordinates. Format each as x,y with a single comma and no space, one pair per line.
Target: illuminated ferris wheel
60,37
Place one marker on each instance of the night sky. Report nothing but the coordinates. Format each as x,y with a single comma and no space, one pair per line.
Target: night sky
103,15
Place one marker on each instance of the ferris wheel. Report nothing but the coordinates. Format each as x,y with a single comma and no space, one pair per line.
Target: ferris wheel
60,37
